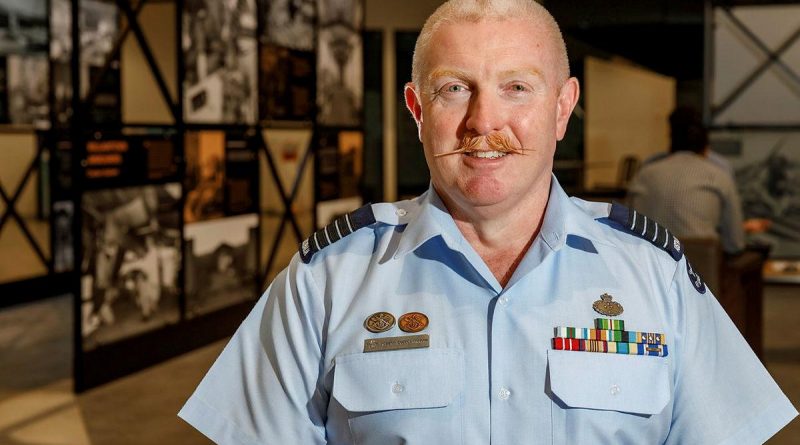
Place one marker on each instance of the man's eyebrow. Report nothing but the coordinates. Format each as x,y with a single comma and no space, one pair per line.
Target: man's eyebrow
458,74
530,71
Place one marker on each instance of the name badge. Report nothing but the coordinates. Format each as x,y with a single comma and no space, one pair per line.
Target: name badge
396,343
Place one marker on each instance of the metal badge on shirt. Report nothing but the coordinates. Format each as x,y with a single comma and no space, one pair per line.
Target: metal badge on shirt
411,322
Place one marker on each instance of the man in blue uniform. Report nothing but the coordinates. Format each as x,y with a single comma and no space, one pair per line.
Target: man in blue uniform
493,308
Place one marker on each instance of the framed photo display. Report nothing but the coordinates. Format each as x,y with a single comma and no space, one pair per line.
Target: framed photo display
131,258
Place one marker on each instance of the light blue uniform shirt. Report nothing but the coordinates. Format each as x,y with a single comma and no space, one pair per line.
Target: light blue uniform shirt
295,371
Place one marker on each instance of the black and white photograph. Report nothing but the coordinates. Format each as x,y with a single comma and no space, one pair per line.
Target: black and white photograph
340,88
132,255
221,61
347,12
63,249
60,30
289,23
287,148
205,175
99,22
99,25
220,263
60,54
767,169
27,91
24,26
286,80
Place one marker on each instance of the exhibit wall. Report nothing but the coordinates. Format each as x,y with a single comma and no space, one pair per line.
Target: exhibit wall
183,175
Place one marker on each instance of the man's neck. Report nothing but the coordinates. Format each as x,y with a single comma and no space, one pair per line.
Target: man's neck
502,239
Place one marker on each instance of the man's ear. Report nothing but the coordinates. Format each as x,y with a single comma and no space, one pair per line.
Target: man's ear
414,105
567,99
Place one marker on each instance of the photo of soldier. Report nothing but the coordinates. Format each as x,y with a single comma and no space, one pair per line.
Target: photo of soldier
220,263
131,242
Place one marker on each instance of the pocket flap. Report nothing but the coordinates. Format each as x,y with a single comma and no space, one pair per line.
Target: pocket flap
626,383
380,381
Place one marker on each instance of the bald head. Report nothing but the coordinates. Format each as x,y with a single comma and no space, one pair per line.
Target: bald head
477,10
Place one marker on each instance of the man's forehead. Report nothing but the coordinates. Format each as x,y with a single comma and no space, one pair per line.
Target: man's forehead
507,38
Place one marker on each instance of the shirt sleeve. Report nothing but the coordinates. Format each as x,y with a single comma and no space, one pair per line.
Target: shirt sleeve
722,392
265,386
731,230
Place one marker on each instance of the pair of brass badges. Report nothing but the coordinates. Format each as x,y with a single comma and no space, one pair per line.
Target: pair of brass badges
383,321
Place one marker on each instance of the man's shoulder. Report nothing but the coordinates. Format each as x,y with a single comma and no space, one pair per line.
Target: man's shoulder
625,228
349,228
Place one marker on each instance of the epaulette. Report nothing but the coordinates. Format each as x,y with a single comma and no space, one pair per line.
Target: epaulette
340,227
646,228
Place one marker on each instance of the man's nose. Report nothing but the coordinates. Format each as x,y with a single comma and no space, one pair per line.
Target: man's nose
485,114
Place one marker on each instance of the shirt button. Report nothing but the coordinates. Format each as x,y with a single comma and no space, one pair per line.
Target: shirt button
503,300
401,212
397,388
504,393
615,390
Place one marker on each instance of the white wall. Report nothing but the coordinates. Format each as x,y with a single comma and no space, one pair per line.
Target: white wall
627,111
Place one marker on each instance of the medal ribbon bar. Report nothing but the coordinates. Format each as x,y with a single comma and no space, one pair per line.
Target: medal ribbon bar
611,347
611,335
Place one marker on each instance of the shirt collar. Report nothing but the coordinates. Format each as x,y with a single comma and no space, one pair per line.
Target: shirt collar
562,217
554,227
431,218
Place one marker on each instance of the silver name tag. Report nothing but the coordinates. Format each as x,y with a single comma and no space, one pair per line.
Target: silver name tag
395,343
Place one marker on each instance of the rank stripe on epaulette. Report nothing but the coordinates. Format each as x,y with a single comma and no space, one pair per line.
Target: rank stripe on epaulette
610,335
646,228
340,227
610,347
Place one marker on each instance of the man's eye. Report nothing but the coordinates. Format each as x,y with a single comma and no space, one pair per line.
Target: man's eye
455,88
518,88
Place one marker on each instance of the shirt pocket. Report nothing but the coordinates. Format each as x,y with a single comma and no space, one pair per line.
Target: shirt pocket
402,396
608,398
